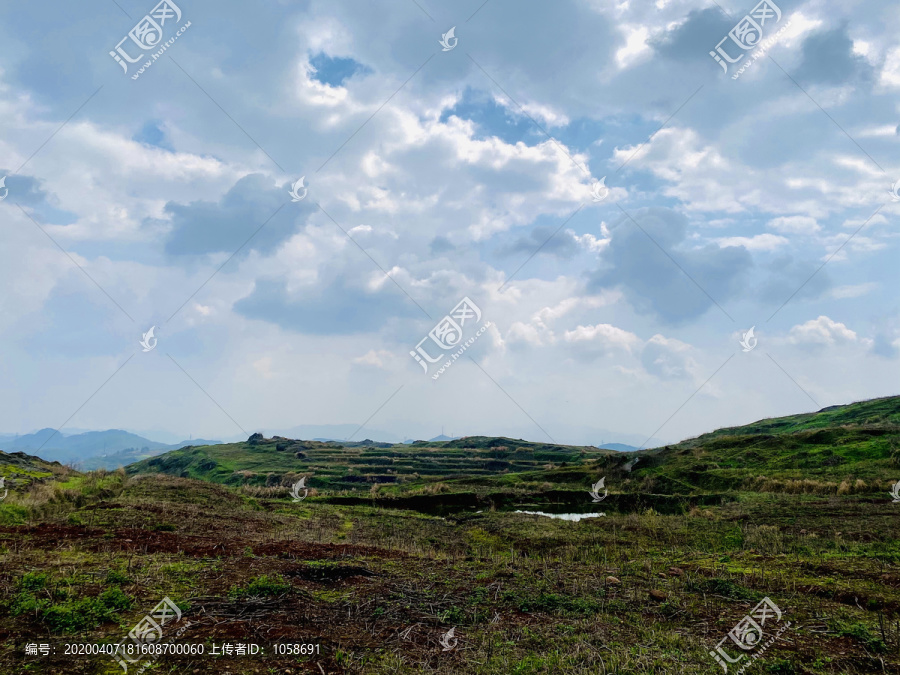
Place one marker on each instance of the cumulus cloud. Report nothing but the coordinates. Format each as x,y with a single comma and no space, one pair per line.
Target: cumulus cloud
444,181
338,307
638,260
827,57
602,338
249,209
821,331
542,241
668,358
784,277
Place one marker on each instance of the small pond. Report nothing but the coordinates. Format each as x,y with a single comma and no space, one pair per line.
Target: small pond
574,517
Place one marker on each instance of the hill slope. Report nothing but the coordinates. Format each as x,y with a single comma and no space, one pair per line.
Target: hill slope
813,452
341,466
859,441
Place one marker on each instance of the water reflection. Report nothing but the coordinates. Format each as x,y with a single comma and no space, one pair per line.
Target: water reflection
575,517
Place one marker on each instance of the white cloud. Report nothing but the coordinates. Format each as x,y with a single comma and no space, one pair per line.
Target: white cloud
890,72
795,224
263,367
668,358
821,331
604,336
759,242
854,290
635,45
375,358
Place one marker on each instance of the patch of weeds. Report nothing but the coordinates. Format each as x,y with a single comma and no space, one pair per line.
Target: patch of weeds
263,586
180,571
453,616
479,596
164,527
67,615
330,596
13,514
33,581
86,613
724,587
118,578
553,602
861,632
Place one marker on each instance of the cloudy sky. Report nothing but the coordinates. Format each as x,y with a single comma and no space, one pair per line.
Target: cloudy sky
160,196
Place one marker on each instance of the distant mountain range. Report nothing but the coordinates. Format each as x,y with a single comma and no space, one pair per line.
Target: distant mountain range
92,449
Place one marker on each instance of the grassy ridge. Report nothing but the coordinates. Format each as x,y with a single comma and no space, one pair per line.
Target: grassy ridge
852,448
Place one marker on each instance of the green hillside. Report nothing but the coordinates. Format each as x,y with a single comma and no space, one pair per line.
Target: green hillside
841,449
349,466
814,452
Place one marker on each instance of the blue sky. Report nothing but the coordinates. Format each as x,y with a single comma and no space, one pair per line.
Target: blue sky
432,176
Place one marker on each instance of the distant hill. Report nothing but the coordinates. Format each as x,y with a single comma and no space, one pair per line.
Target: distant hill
130,455
618,447
78,448
262,460
809,452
